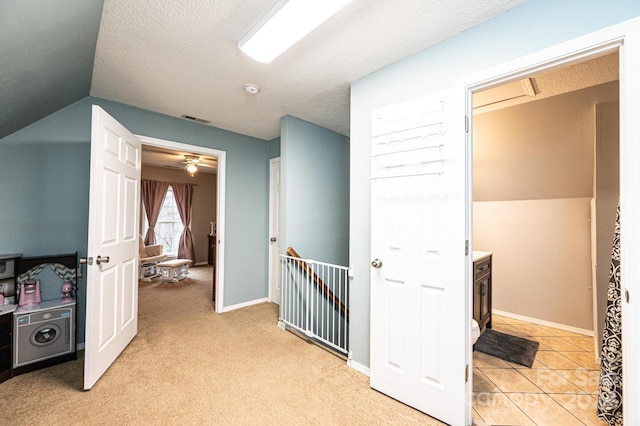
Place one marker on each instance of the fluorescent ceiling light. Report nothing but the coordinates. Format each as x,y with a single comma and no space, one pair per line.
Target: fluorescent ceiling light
285,24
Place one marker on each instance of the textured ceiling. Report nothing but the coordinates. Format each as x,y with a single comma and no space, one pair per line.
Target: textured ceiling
177,57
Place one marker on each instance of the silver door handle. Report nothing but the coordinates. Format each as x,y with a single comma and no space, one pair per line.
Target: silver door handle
376,263
273,239
100,260
86,260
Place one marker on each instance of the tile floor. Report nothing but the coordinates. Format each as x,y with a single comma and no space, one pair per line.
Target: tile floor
560,389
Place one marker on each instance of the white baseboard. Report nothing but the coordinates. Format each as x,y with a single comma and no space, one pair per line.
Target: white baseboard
359,367
244,304
545,323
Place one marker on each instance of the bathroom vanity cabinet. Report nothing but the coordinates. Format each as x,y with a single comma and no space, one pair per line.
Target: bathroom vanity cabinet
482,288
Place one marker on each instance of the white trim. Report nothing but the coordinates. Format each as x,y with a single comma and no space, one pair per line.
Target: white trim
537,321
594,260
630,218
359,367
561,55
246,304
624,37
220,205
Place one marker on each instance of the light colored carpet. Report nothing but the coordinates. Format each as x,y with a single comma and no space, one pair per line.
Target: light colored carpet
191,366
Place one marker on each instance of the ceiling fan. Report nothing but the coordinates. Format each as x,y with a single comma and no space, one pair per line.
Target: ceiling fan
171,159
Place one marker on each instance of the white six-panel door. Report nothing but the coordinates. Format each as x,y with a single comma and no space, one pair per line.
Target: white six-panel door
419,342
274,230
112,252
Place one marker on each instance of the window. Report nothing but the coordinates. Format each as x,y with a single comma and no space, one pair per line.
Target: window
169,226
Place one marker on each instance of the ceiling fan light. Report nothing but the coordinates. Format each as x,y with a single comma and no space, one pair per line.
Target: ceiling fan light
192,164
192,168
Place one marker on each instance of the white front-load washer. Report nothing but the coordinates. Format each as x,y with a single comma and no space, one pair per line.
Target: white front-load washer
43,332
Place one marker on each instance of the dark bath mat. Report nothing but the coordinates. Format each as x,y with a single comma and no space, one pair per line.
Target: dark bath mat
509,348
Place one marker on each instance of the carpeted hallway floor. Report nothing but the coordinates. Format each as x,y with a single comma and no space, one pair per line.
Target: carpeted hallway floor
191,366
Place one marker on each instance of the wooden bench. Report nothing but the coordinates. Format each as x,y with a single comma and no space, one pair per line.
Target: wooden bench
174,270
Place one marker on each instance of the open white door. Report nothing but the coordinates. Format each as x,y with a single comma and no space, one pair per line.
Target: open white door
419,322
274,230
112,262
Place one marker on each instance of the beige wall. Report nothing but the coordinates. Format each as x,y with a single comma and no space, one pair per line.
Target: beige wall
204,203
533,182
607,195
542,257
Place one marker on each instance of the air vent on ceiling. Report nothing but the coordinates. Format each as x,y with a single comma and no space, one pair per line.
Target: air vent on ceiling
196,119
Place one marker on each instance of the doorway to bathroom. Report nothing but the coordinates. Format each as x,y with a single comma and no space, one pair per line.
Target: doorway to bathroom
545,191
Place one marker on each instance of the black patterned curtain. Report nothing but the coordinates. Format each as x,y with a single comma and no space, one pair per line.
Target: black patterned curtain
610,391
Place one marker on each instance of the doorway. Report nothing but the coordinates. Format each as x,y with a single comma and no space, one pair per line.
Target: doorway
536,177
208,227
535,162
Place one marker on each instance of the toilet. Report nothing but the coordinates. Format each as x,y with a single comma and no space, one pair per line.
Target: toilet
475,331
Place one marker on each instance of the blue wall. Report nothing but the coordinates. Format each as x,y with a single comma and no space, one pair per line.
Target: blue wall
315,192
44,186
533,26
274,148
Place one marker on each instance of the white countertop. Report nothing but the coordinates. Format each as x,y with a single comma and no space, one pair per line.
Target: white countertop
49,304
479,255
7,309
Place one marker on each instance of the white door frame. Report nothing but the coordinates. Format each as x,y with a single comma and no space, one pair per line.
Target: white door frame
220,204
594,265
625,38
273,257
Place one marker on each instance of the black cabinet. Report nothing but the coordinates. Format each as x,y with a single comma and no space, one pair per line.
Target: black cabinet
482,291
6,350
212,249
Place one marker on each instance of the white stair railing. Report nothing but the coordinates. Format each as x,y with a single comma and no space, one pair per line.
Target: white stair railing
314,300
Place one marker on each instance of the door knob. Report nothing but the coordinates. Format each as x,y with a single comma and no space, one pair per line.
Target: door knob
100,260
376,263
273,239
86,260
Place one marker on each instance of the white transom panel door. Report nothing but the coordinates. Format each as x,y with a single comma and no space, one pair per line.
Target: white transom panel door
112,250
419,342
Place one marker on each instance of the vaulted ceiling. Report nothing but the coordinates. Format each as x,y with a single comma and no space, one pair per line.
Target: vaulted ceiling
176,57
46,57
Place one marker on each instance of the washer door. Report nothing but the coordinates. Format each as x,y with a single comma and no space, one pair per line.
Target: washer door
45,335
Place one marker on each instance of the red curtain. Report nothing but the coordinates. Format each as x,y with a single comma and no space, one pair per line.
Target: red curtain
183,193
153,193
